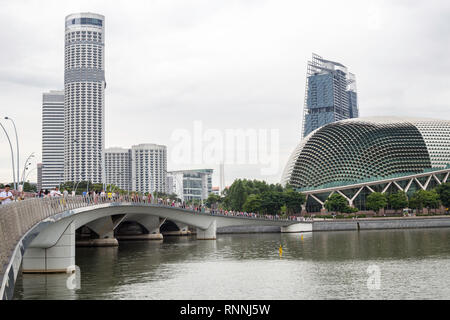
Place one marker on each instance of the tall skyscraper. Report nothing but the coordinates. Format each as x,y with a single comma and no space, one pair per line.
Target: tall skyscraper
148,168
330,94
84,105
118,167
52,139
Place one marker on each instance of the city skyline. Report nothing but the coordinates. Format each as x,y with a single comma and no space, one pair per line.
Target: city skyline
175,78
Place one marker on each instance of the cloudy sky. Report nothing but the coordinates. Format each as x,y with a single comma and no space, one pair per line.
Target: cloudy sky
228,64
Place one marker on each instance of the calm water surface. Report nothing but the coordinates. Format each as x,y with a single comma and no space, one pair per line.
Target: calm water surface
413,264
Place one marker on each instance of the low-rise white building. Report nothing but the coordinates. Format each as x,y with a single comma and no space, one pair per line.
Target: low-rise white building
190,184
142,168
148,168
118,167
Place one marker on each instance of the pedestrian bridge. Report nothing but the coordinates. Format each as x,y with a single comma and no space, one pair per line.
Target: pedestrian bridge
39,234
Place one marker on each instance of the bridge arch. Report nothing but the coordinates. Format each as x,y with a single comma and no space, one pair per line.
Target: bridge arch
44,229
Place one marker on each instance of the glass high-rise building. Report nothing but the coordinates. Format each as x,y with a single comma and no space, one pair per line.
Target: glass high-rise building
330,94
84,104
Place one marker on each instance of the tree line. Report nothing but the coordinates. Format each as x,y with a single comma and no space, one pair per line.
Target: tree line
258,197
430,199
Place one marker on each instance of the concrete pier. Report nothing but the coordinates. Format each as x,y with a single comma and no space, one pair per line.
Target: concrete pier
145,236
59,258
209,233
105,242
298,227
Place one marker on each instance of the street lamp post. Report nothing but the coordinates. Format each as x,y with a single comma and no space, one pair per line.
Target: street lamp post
29,173
17,143
66,164
76,186
12,156
25,167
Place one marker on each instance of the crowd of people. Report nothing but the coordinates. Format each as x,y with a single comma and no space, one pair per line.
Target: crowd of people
7,196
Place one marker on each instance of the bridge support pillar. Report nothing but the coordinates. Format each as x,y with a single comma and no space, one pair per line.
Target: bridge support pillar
153,226
297,227
57,259
207,234
184,230
151,223
104,227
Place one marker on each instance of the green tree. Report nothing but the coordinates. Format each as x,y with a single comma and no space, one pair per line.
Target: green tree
213,200
444,194
293,200
237,195
336,202
271,197
271,202
28,187
432,199
195,202
424,199
253,203
398,200
174,197
376,201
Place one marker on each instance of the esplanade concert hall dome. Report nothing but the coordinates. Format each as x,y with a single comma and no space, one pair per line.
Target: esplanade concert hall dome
358,149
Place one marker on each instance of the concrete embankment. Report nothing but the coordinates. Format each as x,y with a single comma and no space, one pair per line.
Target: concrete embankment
248,229
352,224
381,223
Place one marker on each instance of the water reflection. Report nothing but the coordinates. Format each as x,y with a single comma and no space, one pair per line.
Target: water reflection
413,264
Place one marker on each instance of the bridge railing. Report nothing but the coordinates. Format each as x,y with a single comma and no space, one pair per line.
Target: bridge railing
16,218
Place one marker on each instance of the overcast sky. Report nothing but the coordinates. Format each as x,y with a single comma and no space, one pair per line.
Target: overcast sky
230,64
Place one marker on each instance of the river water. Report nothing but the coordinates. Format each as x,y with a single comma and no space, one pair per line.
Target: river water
382,264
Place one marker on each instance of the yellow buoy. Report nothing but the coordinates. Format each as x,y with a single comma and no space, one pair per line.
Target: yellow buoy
301,237
280,250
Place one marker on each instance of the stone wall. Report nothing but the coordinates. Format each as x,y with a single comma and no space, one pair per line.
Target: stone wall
381,223
248,229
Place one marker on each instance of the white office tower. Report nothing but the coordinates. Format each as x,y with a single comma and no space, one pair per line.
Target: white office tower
84,105
148,168
118,167
39,176
190,184
52,139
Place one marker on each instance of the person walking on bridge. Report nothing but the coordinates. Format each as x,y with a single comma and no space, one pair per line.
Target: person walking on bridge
6,196
55,193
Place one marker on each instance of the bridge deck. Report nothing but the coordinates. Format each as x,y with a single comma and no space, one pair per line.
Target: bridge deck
17,218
